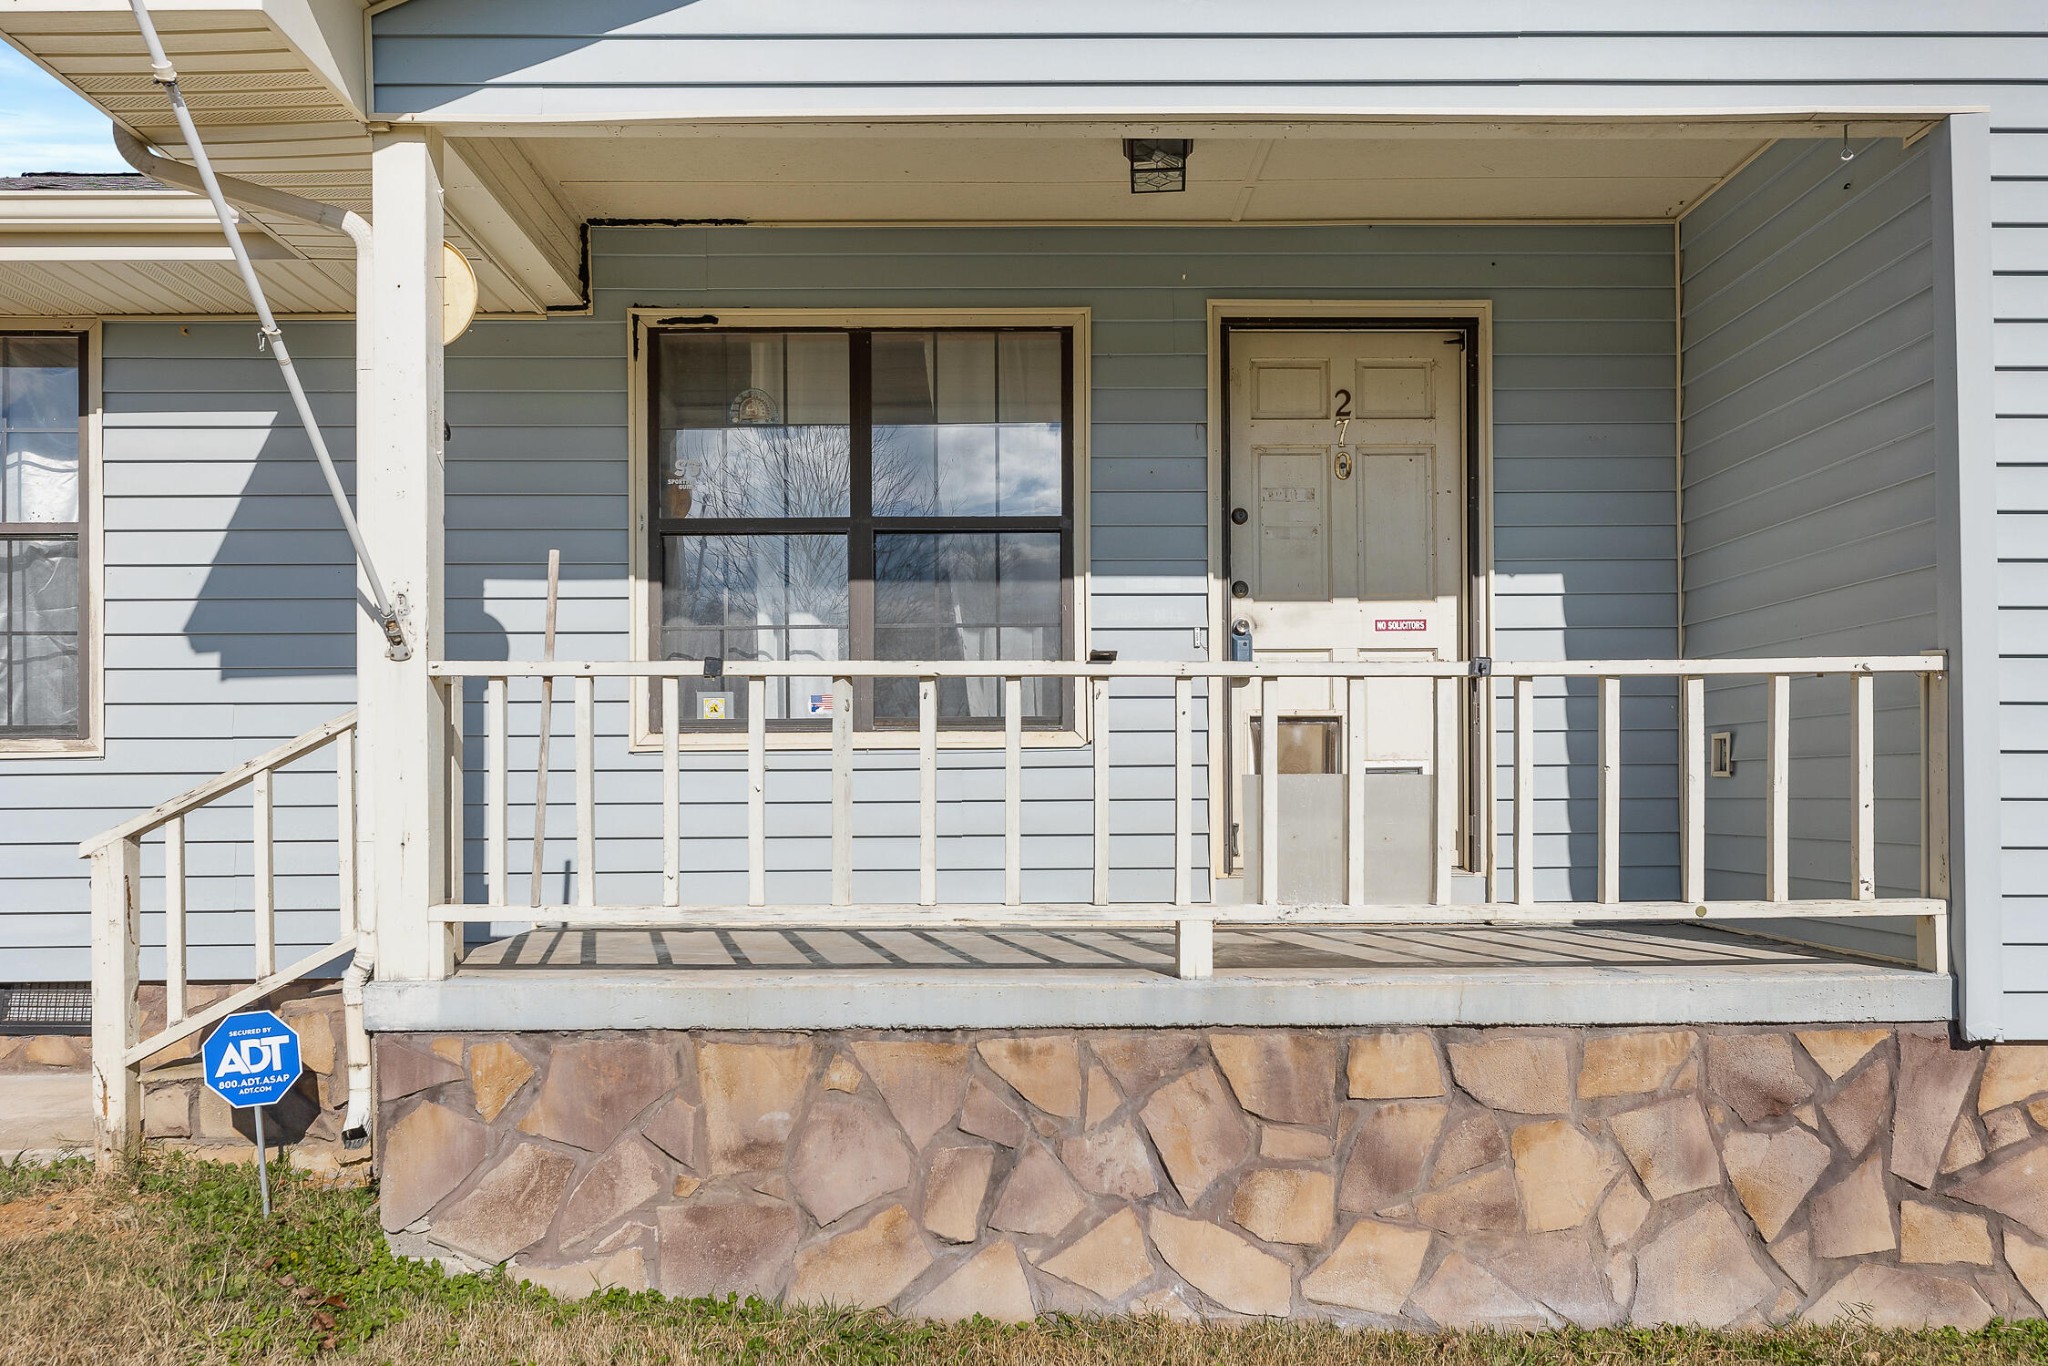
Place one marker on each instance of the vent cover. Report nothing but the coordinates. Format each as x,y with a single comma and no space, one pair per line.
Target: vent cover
46,1008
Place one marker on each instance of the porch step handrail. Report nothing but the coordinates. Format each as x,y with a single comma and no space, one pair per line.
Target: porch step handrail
1452,683
118,1050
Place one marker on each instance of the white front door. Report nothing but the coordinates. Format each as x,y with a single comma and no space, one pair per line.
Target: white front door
1345,516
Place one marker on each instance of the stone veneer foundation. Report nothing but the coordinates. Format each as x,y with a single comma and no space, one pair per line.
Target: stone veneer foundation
1425,1177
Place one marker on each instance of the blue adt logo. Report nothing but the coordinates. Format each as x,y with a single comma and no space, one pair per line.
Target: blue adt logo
252,1059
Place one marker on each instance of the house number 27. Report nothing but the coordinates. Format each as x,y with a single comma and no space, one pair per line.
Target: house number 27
1343,416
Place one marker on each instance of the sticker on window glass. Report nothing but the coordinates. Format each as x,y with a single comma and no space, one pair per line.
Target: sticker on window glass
821,704
714,706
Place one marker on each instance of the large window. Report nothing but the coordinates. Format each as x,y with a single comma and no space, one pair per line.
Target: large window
863,494
42,398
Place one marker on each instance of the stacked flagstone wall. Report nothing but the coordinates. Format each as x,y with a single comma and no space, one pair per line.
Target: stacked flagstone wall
1728,1177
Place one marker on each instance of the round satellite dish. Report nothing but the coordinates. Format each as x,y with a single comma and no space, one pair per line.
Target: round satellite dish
458,294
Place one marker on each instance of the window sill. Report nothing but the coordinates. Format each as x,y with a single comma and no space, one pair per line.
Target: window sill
39,747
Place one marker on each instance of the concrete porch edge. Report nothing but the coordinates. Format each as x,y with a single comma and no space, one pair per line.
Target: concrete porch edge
544,999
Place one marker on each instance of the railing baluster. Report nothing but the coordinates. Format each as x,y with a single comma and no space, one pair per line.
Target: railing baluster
454,866
1354,763
1931,932
1863,799
586,790
1013,790
1099,725
927,792
348,887
174,919
1777,780
1183,791
842,792
757,791
1269,793
1525,791
1692,815
671,792
1446,765
264,898
496,801
1610,790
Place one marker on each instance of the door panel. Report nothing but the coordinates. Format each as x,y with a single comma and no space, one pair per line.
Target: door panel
1347,467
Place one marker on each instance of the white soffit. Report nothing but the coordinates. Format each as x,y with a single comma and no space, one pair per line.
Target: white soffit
1049,175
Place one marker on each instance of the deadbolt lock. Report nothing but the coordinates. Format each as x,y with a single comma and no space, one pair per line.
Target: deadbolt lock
1240,589
1238,516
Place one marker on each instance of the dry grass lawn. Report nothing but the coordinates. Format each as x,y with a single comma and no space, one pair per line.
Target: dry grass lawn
172,1264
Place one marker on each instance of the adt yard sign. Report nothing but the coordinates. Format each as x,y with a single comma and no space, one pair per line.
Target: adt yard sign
252,1059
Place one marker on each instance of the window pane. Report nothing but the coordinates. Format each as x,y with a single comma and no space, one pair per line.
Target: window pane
968,596
39,636
39,383
753,424
39,477
754,597
967,424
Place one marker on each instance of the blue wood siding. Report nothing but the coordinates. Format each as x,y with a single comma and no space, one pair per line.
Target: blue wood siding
228,628
1811,432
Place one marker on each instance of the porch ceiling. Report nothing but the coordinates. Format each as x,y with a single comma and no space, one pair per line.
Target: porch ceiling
1047,174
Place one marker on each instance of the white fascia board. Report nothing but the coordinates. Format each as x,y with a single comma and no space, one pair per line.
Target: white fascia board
120,225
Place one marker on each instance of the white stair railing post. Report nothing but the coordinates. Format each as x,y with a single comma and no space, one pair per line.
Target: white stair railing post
1863,788
116,963
1013,791
1610,791
1098,714
1525,791
927,792
174,919
842,791
1777,782
1692,817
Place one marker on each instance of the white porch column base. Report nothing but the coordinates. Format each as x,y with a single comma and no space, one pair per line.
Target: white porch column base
404,726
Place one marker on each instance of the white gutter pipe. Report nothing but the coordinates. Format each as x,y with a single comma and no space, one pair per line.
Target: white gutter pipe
355,1126
174,173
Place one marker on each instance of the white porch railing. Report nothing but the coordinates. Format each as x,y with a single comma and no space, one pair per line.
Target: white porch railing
1191,918
118,1050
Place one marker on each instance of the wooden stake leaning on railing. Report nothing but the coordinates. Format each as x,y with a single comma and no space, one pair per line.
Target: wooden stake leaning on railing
540,762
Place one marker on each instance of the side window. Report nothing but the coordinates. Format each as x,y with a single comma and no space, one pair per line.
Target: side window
43,678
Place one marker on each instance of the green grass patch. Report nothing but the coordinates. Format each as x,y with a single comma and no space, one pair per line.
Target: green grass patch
174,1263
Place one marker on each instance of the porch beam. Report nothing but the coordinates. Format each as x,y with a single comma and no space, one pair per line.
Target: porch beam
403,726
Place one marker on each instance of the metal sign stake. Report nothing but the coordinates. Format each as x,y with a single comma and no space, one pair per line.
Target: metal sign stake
262,1163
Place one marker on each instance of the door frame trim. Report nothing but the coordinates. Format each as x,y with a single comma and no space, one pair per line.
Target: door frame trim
1475,318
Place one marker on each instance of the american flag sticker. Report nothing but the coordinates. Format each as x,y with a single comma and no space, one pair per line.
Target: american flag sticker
821,704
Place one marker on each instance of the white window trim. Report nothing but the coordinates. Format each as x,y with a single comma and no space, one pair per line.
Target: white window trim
91,544
643,588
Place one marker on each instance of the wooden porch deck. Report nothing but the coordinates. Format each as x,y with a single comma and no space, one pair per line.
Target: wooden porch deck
1308,952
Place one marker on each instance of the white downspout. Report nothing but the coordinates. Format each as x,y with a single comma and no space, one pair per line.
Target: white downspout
355,1128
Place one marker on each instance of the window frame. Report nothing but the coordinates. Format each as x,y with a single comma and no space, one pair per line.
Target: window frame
860,526
89,741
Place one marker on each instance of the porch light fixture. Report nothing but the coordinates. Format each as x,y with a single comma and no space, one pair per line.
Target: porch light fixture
1158,165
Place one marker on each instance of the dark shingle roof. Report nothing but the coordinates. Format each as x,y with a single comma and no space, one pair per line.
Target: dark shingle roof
79,181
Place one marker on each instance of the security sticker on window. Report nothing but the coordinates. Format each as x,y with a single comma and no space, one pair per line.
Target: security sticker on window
714,706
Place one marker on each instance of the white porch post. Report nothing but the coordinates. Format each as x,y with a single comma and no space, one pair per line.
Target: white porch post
404,727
